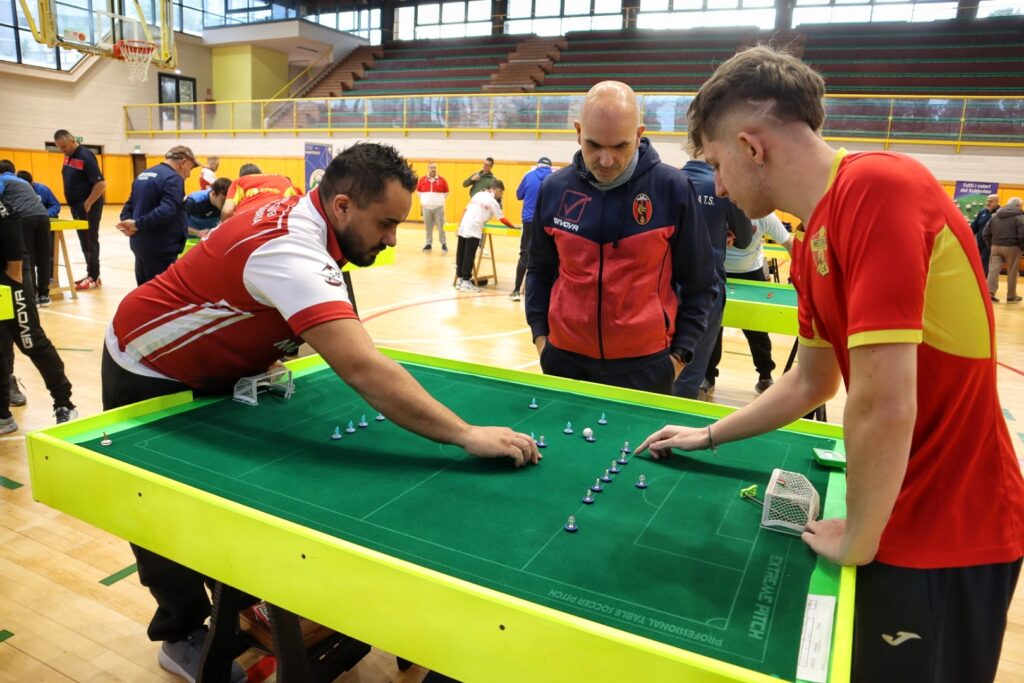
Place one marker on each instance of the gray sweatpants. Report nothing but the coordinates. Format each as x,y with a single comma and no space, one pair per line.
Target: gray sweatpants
431,218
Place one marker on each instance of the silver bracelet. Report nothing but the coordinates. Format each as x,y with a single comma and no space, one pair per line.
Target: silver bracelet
711,442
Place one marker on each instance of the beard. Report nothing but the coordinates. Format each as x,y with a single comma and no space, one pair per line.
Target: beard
355,252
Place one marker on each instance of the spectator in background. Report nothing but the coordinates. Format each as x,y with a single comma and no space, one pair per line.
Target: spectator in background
83,191
748,264
254,189
1004,233
482,207
721,217
433,190
482,179
621,275
24,329
528,190
35,227
978,226
46,195
208,175
153,218
202,207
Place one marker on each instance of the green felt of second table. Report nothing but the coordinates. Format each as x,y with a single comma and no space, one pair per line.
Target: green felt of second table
760,306
682,562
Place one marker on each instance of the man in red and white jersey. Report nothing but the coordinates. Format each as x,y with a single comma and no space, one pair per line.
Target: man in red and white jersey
253,289
899,312
254,189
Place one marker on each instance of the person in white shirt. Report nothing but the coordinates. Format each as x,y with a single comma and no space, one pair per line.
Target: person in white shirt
748,264
208,176
433,190
482,207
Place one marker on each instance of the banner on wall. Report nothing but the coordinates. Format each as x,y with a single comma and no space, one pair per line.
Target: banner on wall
317,159
970,196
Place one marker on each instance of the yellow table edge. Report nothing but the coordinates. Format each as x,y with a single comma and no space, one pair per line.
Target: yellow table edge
457,627
758,315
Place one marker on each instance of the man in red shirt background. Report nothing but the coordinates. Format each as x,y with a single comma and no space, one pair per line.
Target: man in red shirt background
433,190
254,188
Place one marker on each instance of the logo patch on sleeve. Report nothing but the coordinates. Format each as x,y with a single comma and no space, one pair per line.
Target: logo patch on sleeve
332,275
642,209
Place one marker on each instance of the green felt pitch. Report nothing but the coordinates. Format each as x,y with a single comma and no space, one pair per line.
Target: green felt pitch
683,561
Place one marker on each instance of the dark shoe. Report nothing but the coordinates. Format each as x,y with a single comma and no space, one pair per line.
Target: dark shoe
17,396
8,425
444,248
763,384
706,391
994,298
65,414
182,658
43,301
1014,300
427,247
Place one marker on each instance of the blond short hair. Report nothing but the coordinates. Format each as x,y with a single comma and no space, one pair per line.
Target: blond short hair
757,77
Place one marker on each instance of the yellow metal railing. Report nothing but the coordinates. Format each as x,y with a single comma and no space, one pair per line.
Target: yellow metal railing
887,119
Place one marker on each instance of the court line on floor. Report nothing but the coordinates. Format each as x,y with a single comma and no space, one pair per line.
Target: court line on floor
1010,368
48,311
428,340
420,302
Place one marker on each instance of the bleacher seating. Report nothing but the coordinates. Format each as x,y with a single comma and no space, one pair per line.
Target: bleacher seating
423,67
975,57
666,61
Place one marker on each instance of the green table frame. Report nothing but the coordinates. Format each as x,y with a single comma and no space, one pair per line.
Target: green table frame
466,630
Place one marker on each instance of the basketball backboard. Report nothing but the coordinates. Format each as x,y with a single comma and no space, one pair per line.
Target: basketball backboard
97,30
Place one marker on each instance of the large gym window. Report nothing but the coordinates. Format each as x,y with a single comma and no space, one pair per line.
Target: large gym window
17,44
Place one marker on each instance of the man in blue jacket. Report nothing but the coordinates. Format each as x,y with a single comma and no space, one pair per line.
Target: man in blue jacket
621,274
46,195
154,215
202,207
529,188
720,217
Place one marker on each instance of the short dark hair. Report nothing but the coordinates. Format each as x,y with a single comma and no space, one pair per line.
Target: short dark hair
26,176
6,166
220,186
497,185
249,169
363,171
760,75
489,160
63,134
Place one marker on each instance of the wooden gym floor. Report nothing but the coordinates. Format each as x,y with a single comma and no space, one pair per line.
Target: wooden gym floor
59,623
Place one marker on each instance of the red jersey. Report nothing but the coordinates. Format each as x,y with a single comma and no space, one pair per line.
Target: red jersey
237,301
866,274
251,191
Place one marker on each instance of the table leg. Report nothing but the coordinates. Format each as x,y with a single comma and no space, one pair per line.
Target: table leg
477,276
219,649
292,663
60,248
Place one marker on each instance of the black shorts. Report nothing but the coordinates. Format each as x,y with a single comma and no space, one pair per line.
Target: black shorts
931,625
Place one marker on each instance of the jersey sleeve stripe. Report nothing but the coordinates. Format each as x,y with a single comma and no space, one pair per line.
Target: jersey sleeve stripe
884,337
815,343
321,313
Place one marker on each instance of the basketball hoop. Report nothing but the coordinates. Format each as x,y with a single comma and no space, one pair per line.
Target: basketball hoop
137,54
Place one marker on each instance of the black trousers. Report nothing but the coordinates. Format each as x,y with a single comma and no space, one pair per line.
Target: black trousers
25,332
36,230
148,266
935,625
524,253
649,373
759,342
183,604
90,238
465,255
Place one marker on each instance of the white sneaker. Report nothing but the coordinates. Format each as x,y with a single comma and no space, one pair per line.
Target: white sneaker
468,286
